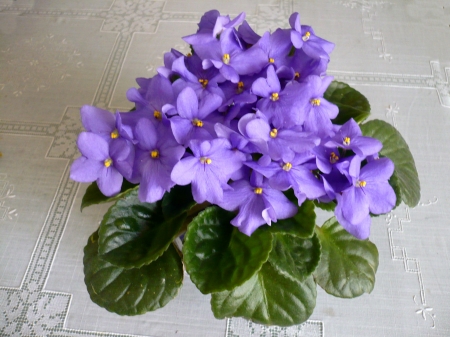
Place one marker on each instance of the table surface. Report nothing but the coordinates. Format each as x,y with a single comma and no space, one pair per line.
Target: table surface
56,56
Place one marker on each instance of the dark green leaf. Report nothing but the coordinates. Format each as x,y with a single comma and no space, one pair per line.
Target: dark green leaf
93,196
301,225
329,206
131,291
133,233
219,257
351,103
295,257
347,265
178,200
395,148
268,297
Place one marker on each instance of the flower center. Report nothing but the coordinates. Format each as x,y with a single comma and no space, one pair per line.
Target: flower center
274,97
157,114
240,87
203,81
333,158
271,60
226,58
287,166
197,122
315,101
154,154
115,134
205,160
306,36
273,133
258,190
189,54
108,162
346,141
296,75
361,183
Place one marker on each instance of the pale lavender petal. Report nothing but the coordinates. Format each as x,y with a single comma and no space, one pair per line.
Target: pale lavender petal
355,205
381,197
85,170
93,146
185,170
110,181
97,120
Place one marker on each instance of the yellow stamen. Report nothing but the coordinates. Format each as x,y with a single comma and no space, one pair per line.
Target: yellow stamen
205,160
315,101
346,141
258,190
157,114
271,60
197,122
274,97
203,81
226,58
189,55
333,158
154,154
273,133
240,87
115,134
296,75
108,162
361,183
287,166
306,36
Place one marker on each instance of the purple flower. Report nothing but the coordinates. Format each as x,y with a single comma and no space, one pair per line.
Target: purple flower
280,106
370,192
208,169
276,46
104,123
276,143
157,152
295,173
257,202
191,122
350,137
318,111
103,162
231,60
304,37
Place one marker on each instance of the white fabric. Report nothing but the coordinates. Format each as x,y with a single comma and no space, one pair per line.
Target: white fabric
56,56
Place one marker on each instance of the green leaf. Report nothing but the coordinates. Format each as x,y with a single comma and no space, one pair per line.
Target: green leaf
131,291
347,266
269,297
301,225
178,200
395,148
219,257
133,233
295,257
351,103
93,196
329,206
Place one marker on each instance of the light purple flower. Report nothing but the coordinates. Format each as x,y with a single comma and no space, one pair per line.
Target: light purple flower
157,152
103,162
208,169
257,202
370,192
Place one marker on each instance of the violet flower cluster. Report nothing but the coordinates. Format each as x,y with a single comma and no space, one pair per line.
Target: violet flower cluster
242,119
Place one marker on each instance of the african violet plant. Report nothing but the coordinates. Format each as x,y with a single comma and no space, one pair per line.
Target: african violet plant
232,148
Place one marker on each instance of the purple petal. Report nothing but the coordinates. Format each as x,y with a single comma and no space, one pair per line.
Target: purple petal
97,120
85,170
381,197
355,205
93,146
187,103
110,181
185,170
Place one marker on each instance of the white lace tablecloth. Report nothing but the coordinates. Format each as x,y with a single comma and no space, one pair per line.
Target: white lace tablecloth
57,55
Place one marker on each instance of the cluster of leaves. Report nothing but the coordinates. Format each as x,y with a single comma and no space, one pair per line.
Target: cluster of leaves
132,264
